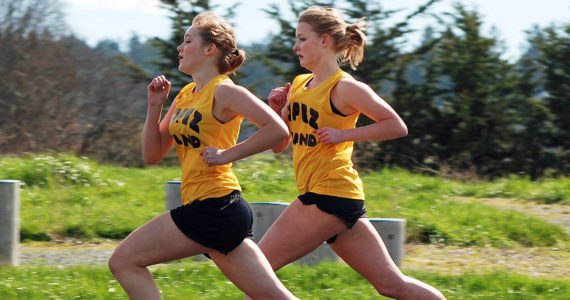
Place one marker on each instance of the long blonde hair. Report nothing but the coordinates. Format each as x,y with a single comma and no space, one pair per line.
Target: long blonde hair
349,39
216,30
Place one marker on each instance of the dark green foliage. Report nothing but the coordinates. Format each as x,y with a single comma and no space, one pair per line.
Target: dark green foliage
472,123
469,112
553,46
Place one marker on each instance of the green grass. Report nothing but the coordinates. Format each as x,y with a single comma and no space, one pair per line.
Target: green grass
69,196
435,216
202,280
546,190
118,201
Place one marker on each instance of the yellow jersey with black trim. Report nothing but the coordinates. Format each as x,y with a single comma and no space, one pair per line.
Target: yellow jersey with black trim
193,127
321,168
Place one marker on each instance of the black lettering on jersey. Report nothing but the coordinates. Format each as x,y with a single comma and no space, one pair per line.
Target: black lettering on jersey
312,140
296,110
314,118
177,140
304,139
186,116
190,140
304,113
178,114
194,124
308,115
289,113
183,117
187,140
175,115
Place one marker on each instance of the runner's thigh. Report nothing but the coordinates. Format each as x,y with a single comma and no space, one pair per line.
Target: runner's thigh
299,230
363,249
157,241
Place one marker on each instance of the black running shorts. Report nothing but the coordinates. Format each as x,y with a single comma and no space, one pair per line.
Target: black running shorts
348,210
219,223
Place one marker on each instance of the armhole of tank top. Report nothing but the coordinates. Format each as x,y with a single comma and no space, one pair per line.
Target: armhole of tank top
333,108
220,122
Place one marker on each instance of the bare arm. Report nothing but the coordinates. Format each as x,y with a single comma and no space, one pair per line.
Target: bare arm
278,101
156,140
351,96
238,100
282,145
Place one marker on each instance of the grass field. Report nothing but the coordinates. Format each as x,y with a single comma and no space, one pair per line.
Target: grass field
65,196
202,280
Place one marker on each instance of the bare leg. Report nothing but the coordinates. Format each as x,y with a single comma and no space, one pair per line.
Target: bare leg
299,230
249,270
363,249
155,242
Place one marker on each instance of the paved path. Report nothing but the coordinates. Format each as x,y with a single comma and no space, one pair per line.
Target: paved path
549,262
539,262
65,254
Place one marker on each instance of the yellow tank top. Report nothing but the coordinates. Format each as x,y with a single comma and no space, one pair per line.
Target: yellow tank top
320,168
193,126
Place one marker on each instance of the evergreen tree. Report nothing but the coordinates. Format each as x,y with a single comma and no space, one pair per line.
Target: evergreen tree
472,135
416,93
532,121
553,46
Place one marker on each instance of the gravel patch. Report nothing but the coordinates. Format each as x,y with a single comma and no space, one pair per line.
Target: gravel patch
536,262
66,252
64,257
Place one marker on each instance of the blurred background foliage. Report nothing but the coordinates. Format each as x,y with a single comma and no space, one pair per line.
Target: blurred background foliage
470,113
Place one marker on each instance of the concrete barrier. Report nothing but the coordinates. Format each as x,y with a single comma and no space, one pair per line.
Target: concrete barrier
265,214
9,222
173,198
392,231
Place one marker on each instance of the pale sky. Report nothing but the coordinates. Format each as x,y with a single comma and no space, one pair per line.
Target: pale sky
95,20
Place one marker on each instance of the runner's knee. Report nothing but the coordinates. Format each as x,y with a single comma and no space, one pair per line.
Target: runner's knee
393,288
119,261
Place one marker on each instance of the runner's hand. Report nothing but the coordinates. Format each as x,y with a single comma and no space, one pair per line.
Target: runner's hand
158,90
213,156
278,97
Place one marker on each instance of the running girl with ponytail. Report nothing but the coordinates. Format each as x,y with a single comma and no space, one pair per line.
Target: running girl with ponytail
203,122
321,109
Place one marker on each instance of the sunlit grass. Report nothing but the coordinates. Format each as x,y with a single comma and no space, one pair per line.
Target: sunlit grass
70,196
203,280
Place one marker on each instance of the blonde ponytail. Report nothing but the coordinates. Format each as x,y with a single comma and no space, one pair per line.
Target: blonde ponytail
349,39
352,48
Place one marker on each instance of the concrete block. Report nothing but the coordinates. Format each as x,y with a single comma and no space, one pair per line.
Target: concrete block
393,233
173,197
9,222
